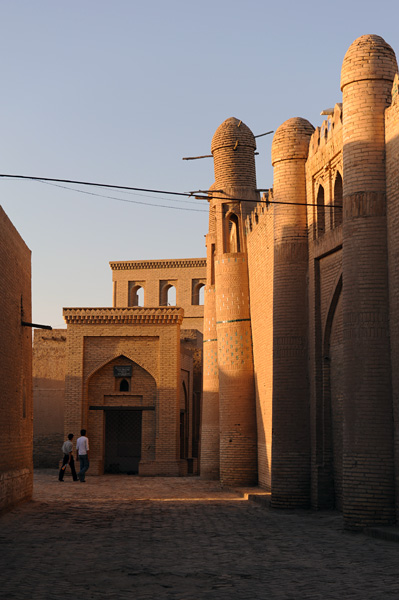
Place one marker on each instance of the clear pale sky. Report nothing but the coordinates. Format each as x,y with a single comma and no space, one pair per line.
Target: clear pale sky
118,92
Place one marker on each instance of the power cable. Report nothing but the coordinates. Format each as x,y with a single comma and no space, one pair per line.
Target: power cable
64,187
187,194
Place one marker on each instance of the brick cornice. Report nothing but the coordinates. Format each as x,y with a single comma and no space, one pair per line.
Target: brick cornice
123,316
158,264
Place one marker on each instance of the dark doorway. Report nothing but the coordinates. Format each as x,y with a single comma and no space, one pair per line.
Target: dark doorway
122,441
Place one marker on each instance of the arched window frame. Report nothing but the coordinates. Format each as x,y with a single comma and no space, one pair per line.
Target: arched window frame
337,199
165,293
320,211
135,293
198,288
232,233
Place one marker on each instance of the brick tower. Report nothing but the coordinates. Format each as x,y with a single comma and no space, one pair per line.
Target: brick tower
367,74
233,147
210,387
291,443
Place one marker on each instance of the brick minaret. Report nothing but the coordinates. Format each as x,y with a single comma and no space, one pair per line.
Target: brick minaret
291,444
368,70
210,387
233,147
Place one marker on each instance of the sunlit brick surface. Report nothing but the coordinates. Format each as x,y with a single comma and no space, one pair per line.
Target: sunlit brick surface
16,412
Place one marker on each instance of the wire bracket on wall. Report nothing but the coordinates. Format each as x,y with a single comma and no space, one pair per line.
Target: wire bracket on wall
35,325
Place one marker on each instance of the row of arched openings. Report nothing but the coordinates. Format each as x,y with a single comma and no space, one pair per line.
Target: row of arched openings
167,296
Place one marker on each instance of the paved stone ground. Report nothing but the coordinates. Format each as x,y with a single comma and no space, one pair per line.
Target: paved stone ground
120,537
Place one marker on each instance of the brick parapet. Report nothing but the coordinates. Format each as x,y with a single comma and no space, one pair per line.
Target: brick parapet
182,263
108,316
256,216
327,138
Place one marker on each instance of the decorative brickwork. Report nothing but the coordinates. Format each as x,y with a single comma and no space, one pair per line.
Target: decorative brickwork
125,316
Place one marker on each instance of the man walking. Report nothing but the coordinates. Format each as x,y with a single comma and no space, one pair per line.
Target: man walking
82,454
68,459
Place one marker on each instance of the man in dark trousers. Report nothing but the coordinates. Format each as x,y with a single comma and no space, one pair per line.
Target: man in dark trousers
82,454
67,448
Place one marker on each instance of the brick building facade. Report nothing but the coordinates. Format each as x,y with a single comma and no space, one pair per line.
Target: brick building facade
313,280
16,418
131,374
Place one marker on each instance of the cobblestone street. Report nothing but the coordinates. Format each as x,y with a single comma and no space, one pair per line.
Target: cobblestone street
182,539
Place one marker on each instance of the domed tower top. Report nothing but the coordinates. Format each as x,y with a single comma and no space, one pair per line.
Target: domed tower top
369,57
230,132
233,146
291,140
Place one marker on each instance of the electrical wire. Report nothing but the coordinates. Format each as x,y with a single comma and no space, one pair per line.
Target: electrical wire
53,181
64,187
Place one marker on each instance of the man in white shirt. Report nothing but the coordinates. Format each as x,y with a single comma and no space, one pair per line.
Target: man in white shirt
82,454
67,448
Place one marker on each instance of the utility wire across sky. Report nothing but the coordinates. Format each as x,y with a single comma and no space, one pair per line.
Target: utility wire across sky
122,188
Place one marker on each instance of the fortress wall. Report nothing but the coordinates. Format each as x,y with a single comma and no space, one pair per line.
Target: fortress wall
16,413
260,267
392,173
323,166
49,357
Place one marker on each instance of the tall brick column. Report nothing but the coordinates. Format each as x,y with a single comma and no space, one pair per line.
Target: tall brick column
367,73
233,147
210,387
291,425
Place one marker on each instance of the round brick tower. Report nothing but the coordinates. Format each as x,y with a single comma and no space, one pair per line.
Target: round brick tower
233,147
367,74
291,427
210,386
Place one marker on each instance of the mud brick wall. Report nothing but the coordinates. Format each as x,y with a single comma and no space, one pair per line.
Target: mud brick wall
260,268
323,170
49,362
16,411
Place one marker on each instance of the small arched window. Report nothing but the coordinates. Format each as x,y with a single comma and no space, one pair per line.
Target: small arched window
321,218
198,293
171,296
136,296
233,234
124,385
338,201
